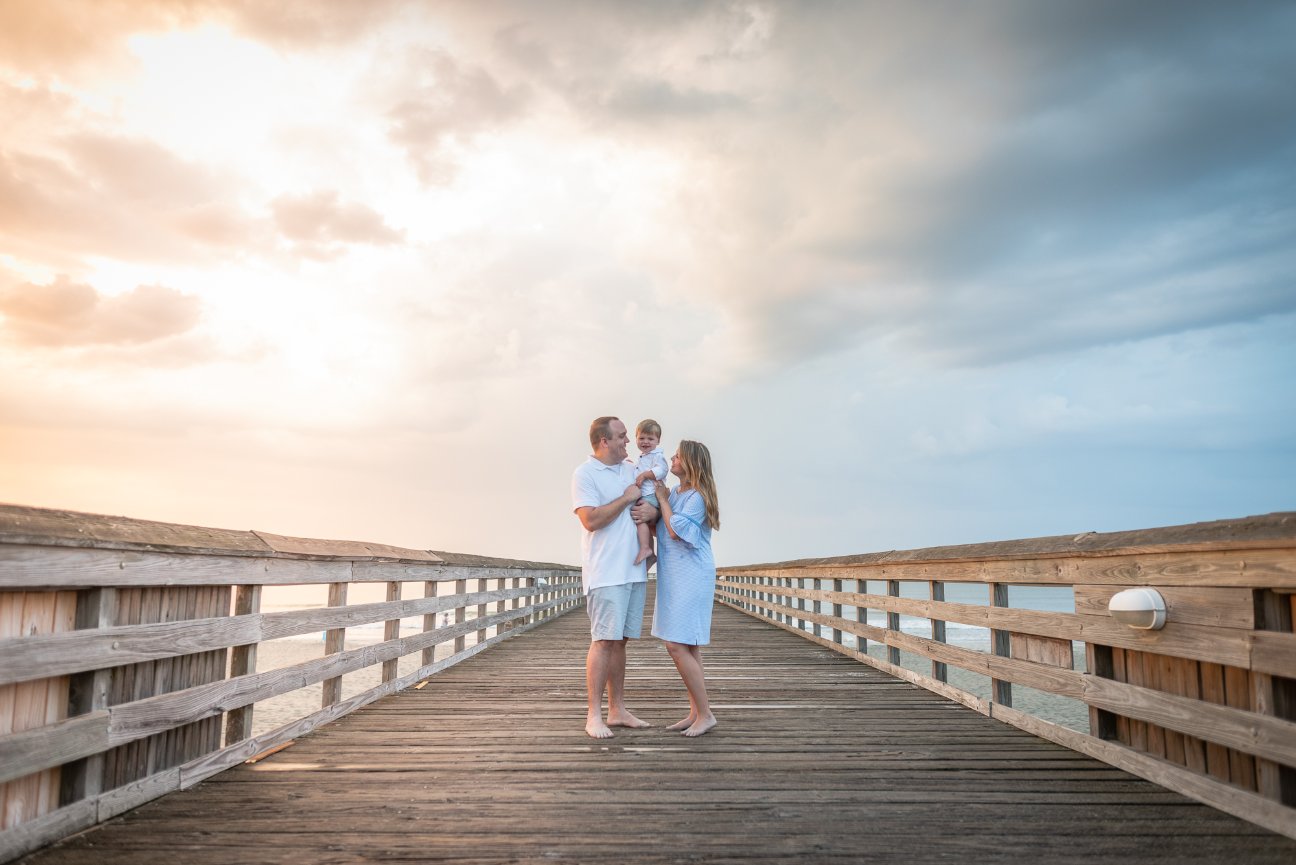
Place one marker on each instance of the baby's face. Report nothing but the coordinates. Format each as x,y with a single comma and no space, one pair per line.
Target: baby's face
647,441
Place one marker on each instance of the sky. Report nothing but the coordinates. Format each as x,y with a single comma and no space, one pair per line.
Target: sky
916,273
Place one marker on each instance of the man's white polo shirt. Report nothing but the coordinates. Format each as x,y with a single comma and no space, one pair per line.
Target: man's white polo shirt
607,555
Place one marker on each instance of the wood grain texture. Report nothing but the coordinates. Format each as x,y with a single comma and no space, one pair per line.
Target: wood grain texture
28,706
1216,606
1270,531
1204,643
1212,566
341,549
816,759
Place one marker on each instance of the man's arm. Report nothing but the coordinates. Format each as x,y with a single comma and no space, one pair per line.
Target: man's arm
595,518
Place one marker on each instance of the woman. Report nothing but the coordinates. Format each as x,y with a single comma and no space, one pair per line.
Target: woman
686,576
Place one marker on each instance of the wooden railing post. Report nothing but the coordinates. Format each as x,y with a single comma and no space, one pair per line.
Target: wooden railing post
893,622
391,631
861,616
460,615
803,603
816,604
429,623
482,584
88,692
1275,695
243,660
1002,645
837,612
334,642
940,672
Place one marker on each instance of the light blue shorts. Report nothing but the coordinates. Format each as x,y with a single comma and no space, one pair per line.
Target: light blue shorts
616,612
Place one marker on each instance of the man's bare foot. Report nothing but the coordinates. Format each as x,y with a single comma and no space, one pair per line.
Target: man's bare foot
684,724
625,719
644,553
702,725
597,729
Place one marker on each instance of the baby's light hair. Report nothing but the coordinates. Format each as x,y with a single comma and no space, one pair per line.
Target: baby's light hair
649,426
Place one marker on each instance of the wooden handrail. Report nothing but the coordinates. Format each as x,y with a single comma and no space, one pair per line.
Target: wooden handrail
1205,706
129,647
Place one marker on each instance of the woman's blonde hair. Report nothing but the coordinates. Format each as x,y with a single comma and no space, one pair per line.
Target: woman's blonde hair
695,460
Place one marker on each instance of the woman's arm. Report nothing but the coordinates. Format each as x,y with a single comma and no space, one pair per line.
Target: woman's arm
663,500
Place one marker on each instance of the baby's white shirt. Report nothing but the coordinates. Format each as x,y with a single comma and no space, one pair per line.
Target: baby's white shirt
656,461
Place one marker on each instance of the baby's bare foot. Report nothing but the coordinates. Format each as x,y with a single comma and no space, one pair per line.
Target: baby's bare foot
644,553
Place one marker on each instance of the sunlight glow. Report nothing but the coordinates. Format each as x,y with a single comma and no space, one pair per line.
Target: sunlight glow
210,94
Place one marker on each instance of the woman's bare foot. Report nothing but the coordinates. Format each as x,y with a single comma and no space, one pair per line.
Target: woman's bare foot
684,724
596,729
702,725
644,553
625,719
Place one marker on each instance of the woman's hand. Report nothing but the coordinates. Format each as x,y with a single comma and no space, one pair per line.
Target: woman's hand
663,499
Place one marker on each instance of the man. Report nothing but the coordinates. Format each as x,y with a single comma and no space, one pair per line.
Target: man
603,491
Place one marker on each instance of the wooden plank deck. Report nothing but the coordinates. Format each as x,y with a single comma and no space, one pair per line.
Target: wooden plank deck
816,759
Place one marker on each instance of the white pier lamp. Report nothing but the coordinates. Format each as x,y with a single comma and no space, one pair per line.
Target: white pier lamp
1144,609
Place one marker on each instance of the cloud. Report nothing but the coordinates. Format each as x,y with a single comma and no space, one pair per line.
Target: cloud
443,103
60,35
320,223
988,198
119,197
68,314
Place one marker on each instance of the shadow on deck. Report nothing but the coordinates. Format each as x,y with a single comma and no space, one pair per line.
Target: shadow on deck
817,758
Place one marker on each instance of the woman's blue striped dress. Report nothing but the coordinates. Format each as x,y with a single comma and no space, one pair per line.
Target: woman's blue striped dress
686,573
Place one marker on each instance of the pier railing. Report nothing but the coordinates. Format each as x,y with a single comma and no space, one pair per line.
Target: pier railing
1205,706
128,650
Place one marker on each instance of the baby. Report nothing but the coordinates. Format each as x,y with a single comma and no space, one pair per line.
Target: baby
649,471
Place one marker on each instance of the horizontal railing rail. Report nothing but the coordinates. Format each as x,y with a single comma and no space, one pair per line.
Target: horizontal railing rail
1020,631
129,650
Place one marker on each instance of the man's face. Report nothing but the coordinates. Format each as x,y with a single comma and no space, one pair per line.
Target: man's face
620,439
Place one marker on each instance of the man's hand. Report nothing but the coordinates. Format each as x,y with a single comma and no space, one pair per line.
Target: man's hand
594,519
643,513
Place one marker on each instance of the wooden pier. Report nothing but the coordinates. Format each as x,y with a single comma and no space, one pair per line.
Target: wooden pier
817,759
143,665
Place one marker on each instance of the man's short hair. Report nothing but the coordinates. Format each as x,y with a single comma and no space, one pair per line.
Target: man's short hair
601,429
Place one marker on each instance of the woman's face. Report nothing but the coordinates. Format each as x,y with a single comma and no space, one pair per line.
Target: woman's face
677,467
